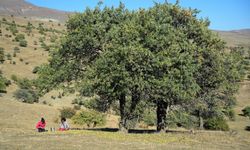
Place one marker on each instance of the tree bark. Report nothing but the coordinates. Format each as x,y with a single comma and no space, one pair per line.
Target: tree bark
134,100
161,115
122,124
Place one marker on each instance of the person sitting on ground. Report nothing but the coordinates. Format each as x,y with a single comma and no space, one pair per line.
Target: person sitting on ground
40,126
64,125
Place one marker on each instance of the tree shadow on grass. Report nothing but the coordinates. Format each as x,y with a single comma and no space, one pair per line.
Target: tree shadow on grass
132,131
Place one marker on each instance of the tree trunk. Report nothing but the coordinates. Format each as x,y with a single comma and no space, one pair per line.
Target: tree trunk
122,124
134,100
201,124
161,115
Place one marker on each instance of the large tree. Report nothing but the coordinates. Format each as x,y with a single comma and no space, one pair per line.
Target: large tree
163,54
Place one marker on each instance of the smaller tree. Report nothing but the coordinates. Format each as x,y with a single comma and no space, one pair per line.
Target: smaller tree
89,118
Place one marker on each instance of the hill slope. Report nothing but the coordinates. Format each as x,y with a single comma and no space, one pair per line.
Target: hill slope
23,8
236,37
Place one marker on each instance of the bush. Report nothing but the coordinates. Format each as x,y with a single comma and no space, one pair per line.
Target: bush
23,43
14,78
67,112
24,83
2,57
246,111
26,96
19,37
16,49
216,124
9,57
89,118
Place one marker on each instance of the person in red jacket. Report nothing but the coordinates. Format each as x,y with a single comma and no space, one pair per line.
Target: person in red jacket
40,126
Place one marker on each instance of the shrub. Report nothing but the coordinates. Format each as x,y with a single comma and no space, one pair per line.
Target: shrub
16,49
9,57
45,47
246,111
218,123
4,19
23,43
14,78
14,54
26,96
35,42
24,83
89,118
19,37
3,83
230,114
67,112
21,59
13,62
2,57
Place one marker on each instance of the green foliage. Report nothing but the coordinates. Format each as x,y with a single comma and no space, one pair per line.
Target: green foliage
180,118
41,28
246,111
218,123
23,43
89,118
45,47
3,83
19,37
2,56
26,96
24,83
29,28
67,112
149,117
4,19
13,29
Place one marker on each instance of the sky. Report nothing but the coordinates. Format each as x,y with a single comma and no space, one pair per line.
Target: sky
223,14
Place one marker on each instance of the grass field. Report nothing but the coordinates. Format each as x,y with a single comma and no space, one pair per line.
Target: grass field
17,120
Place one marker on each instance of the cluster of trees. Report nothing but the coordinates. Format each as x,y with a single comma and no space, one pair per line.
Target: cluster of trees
162,57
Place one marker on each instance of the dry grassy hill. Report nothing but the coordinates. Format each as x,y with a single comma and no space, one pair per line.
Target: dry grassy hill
18,119
24,8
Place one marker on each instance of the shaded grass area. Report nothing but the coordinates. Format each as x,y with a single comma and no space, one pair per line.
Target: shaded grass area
96,139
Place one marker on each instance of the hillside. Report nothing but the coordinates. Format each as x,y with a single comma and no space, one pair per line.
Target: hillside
26,9
236,37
